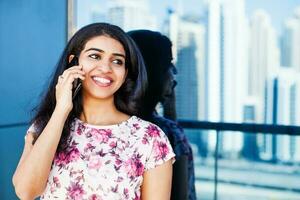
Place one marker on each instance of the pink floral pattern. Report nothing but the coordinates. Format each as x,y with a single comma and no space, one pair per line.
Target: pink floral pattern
107,162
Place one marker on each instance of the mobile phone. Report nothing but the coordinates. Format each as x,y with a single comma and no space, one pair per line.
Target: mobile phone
77,82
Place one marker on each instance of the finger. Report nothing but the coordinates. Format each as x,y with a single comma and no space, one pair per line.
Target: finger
74,67
72,77
66,74
60,79
78,67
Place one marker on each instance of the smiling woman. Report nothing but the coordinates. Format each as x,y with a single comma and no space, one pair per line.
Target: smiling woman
92,146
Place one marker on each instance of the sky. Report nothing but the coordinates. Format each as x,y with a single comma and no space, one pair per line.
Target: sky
279,10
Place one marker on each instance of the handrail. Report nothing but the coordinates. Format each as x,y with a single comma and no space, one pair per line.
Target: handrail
241,127
220,126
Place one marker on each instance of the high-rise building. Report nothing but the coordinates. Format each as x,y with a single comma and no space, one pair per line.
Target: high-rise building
234,57
212,66
275,88
213,61
288,90
263,59
267,143
283,93
188,38
233,70
226,68
190,59
290,41
131,14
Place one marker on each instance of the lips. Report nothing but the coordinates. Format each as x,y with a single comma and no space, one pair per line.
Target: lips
102,81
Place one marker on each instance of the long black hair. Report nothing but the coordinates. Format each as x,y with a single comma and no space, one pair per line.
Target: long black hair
127,98
156,50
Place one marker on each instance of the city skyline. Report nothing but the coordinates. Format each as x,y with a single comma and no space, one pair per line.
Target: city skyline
236,60
278,11
230,69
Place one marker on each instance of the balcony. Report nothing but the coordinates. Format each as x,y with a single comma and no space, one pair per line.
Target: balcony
221,173
252,168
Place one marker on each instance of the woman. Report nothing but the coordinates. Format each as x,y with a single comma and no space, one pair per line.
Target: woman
156,50
94,147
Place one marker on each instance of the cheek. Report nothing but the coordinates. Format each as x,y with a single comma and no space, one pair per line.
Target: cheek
87,67
123,74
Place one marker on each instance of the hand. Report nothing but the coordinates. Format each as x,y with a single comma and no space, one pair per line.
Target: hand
64,87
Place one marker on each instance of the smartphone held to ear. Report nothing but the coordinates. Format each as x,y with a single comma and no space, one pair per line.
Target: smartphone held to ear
77,82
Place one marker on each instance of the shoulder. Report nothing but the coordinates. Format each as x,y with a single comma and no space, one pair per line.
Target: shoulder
175,134
148,131
154,142
31,133
146,126
170,127
32,128
166,122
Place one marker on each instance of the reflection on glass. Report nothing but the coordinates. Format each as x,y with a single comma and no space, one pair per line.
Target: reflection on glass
237,61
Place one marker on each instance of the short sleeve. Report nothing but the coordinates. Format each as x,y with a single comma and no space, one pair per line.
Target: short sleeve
31,129
160,148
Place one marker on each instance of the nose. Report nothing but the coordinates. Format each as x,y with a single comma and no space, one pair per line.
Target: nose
104,66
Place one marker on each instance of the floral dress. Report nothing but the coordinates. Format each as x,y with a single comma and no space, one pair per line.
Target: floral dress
107,162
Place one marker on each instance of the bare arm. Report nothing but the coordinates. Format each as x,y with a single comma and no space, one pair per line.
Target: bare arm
157,182
31,175
34,167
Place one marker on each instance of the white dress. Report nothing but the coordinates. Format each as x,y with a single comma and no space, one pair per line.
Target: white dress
107,162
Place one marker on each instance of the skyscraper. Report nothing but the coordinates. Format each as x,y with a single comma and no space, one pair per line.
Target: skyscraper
287,147
131,14
234,51
263,60
213,49
290,41
233,70
226,67
263,65
190,59
188,38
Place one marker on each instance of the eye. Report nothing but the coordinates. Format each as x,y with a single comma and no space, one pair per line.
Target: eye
118,61
95,56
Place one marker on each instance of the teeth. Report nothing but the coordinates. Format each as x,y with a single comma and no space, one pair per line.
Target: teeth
101,80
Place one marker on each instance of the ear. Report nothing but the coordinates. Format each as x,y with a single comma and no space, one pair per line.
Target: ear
71,57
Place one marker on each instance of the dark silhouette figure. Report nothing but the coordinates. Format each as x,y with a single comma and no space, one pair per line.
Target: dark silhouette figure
156,50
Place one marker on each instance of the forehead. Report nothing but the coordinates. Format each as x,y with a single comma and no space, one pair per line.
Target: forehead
105,43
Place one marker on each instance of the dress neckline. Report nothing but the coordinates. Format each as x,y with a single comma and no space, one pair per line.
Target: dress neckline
104,126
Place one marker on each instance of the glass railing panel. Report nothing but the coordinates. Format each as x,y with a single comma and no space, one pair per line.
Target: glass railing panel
257,167
250,166
203,161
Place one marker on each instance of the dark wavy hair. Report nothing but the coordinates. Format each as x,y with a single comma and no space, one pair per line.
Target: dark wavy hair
127,98
156,50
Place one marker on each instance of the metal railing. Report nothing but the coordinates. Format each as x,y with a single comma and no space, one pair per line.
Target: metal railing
239,127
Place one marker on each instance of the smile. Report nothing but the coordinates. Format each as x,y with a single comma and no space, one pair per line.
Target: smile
101,81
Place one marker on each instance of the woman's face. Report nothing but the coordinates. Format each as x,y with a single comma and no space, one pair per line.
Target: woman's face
103,60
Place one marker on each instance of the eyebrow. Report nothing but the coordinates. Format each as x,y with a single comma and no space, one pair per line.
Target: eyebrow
101,51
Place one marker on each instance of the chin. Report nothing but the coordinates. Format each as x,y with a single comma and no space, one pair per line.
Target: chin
101,94
107,93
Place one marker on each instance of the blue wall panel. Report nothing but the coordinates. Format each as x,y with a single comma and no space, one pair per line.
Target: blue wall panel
33,33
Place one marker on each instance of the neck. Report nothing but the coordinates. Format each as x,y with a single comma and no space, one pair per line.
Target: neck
101,111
